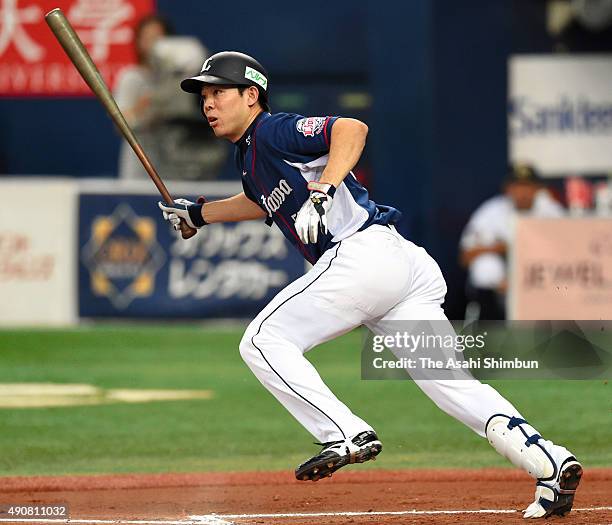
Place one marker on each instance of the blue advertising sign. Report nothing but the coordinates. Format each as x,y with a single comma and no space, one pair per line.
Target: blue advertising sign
132,264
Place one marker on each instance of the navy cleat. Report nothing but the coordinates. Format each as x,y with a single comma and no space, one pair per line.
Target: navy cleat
363,447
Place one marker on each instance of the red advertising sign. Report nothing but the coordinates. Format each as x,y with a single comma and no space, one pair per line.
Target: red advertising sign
32,63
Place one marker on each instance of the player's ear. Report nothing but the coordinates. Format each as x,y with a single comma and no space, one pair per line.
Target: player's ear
252,95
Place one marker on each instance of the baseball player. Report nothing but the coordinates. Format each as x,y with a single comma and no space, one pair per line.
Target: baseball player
296,173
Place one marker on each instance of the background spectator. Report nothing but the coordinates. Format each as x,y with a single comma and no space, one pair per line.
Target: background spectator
487,237
134,94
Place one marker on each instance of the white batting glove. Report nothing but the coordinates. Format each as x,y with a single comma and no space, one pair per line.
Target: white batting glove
183,210
312,216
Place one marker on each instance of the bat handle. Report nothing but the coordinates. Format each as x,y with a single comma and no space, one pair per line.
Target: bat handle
187,232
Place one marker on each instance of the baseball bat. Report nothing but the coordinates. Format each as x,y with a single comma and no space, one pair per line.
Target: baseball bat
79,56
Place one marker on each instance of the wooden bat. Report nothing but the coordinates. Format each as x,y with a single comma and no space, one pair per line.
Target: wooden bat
79,56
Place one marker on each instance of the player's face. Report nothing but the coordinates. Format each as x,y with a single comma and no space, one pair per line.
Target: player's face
226,110
149,35
522,194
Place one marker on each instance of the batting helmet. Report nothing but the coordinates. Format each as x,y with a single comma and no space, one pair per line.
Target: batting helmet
230,68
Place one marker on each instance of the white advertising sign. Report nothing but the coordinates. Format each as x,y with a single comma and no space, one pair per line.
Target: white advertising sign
560,113
37,252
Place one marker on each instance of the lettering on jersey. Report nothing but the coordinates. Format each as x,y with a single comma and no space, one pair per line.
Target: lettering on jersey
311,126
276,198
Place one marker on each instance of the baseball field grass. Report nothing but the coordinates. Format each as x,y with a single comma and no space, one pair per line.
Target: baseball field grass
241,427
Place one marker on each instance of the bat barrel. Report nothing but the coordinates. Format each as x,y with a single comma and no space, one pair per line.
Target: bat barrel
79,56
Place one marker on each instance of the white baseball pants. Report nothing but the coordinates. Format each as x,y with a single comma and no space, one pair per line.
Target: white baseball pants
369,278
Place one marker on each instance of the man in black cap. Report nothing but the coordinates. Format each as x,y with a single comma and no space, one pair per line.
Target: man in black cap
488,235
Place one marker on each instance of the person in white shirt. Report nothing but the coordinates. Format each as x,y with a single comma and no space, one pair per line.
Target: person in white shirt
488,235
134,93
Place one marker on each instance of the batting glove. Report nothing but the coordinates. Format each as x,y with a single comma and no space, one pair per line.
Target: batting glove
312,216
183,210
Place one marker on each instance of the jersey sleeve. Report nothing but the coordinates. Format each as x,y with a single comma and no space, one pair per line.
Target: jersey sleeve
299,135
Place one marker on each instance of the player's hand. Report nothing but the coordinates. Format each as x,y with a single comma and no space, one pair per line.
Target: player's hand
183,210
312,216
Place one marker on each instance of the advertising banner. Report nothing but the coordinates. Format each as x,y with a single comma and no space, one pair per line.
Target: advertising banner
32,63
560,113
131,264
37,252
562,269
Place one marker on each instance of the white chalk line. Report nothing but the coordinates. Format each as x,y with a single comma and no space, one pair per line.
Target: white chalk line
209,519
220,519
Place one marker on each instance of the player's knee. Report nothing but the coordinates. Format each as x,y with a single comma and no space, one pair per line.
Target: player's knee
255,343
247,348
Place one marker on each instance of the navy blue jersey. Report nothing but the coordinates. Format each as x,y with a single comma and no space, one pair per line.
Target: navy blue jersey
278,155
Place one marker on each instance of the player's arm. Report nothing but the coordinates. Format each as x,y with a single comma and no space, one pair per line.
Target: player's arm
345,147
233,209
467,255
348,137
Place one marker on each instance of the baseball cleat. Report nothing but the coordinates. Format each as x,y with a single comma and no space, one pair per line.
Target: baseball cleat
363,447
556,497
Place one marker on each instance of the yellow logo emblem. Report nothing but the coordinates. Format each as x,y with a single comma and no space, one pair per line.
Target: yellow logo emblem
123,256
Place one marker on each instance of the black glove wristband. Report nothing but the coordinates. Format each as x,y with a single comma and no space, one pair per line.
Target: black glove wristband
195,214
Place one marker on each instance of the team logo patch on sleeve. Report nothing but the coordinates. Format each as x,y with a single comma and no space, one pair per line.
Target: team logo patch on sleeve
311,126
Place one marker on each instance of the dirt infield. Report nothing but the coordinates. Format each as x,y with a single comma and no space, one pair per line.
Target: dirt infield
355,497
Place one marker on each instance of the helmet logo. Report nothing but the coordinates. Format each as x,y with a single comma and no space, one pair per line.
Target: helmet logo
206,65
256,76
